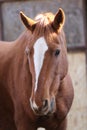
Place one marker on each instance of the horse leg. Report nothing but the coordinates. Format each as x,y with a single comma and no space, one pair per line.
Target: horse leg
22,121
25,127
24,124
61,126
6,125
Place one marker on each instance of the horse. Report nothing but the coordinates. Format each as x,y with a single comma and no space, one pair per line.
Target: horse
35,86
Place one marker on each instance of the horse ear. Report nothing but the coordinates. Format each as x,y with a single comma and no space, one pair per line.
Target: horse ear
29,23
59,19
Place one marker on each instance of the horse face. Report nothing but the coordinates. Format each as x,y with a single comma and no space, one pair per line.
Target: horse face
49,73
50,61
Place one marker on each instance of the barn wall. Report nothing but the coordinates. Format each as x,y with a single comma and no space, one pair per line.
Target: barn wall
12,28
77,119
74,17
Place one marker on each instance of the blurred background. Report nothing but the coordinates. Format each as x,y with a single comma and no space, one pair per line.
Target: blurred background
76,36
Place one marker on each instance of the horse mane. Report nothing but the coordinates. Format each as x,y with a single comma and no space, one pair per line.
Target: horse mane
45,18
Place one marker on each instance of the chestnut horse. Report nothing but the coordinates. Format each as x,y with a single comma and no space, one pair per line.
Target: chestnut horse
35,87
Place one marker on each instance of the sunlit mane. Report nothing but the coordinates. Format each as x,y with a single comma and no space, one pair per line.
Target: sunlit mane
44,18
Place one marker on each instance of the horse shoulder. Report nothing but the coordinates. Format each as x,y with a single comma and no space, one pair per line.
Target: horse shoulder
64,97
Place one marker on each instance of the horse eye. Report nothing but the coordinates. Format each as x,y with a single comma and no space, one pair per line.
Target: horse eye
57,52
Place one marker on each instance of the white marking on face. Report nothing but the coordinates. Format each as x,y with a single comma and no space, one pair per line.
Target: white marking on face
40,48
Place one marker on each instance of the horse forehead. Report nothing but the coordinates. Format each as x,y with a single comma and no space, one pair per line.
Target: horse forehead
40,42
40,47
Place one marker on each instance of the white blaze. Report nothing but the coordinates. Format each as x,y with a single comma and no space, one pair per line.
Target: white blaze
40,48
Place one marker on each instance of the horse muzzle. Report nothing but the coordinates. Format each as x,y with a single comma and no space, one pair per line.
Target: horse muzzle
47,108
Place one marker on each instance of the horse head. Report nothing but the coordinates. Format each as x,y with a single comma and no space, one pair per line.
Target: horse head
49,65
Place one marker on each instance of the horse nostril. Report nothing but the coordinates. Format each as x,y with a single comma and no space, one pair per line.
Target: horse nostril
45,103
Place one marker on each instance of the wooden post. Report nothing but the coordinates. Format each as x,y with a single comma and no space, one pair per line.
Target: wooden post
85,27
0,23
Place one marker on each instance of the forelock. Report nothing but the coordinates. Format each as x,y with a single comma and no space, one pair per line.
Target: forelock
44,18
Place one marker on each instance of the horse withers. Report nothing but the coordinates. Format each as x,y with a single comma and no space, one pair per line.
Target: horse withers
35,86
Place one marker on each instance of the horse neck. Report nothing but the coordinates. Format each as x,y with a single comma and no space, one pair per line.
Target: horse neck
19,63
24,41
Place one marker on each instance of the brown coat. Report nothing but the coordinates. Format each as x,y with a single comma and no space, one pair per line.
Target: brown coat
21,108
